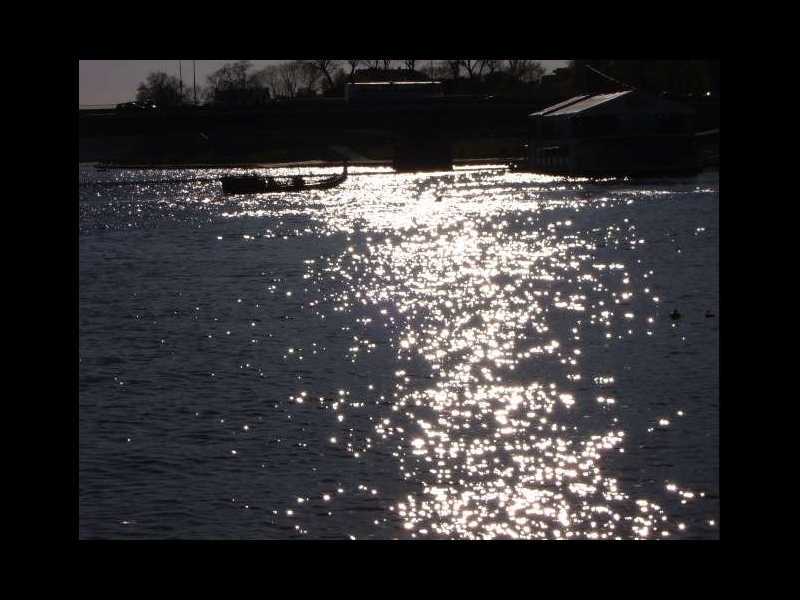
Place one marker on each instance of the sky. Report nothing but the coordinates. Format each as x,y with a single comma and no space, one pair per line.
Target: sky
113,81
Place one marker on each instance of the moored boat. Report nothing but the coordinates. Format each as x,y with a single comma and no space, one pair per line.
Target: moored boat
260,184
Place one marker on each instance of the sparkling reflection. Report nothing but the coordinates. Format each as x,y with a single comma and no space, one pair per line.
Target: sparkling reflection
499,296
493,296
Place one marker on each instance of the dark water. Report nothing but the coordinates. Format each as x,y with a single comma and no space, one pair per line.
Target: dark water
462,355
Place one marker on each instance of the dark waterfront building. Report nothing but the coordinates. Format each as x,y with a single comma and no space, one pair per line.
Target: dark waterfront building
626,133
418,152
392,91
558,84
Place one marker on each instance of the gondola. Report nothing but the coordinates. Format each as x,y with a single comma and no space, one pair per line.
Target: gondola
258,184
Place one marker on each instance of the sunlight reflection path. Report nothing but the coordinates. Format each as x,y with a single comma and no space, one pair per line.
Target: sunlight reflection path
475,276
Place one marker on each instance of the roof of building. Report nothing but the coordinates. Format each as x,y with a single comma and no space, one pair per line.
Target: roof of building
555,107
587,103
580,104
391,83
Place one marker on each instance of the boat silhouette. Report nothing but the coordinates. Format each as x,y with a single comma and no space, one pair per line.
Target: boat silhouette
260,184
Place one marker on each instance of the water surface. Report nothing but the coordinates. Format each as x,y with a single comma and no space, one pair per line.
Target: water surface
473,354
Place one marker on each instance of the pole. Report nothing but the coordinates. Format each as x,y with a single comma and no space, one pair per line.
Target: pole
194,79
180,76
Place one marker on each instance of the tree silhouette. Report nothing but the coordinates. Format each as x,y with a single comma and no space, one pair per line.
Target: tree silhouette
293,79
232,76
474,68
326,67
235,82
270,77
525,70
289,78
455,68
437,70
492,66
353,66
340,78
161,89
309,77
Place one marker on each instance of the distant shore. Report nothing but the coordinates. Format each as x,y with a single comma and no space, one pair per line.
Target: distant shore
287,165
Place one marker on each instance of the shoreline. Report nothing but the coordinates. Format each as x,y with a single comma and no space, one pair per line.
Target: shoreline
291,164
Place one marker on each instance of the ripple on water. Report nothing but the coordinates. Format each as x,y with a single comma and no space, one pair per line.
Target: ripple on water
465,355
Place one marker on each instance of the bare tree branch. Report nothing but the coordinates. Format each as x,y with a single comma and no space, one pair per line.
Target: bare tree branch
270,77
353,66
455,67
326,67
474,67
438,70
492,65
289,78
309,76
525,70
